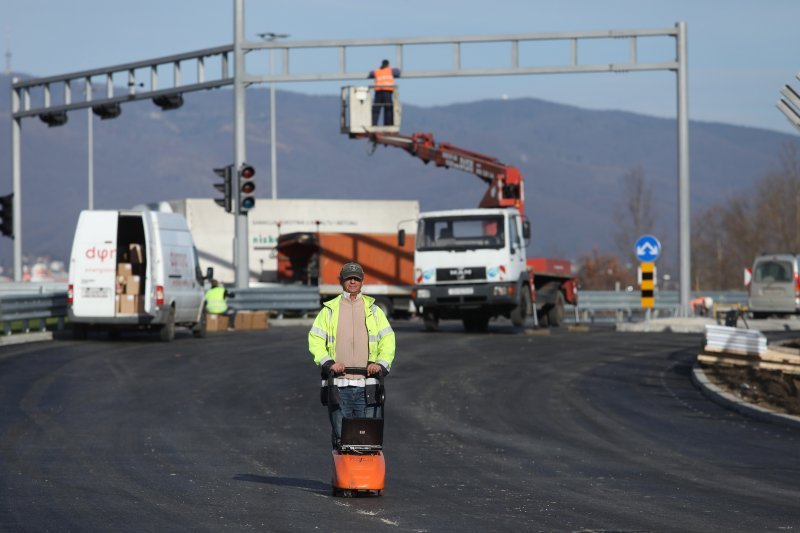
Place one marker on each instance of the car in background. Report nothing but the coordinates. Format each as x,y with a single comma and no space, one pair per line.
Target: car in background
775,286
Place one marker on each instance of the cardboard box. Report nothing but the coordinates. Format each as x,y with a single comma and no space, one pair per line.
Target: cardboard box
244,320
124,269
129,303
216,323
133,284
260,320
135,254
120,287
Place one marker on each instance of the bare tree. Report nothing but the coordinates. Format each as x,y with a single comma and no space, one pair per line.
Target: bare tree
726,237
599,271
778,204
636,216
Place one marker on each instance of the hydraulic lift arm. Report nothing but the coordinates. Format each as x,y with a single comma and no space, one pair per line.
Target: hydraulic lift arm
504,181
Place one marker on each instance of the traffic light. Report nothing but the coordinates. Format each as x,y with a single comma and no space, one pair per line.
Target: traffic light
54,119
226,173
7,215
169,101
107,111
247,188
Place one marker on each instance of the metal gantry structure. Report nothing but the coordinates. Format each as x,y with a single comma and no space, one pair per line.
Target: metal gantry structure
31,98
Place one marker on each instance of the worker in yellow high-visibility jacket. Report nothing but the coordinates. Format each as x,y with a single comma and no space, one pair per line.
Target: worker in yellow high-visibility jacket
351,331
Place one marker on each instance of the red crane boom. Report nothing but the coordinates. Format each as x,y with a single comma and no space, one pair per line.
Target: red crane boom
504,181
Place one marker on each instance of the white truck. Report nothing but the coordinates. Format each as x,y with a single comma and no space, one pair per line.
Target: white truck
134,269
471,264
307,241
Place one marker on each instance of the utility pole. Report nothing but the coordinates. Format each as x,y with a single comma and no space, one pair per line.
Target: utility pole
90,143
269,37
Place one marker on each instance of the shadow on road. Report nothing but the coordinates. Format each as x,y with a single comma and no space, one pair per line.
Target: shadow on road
310,485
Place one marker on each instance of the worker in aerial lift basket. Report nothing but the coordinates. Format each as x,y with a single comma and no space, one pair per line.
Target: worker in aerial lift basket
384,91
351,331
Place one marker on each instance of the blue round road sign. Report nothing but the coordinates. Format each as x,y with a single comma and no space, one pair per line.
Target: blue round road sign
647,248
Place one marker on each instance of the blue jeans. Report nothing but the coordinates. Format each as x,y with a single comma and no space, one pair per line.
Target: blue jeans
352,404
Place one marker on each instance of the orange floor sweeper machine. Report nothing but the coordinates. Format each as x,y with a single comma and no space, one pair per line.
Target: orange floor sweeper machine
358,464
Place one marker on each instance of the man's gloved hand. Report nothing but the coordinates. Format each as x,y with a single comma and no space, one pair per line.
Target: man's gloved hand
325,369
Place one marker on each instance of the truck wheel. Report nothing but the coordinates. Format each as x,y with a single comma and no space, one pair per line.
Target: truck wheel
167,332
476,322
542,318
522,310
199,329
555,315
431,321
385,306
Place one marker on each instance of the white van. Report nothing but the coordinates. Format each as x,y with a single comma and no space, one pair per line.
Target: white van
775,286
135,270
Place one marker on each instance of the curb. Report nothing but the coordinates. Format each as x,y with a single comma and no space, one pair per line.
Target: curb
22,338
729,401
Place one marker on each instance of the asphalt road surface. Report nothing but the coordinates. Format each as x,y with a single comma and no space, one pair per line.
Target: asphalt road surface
572,431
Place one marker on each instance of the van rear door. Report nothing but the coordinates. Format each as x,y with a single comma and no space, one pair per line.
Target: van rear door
93,265
773,285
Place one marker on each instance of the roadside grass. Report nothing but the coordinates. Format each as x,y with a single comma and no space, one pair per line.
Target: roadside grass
35,324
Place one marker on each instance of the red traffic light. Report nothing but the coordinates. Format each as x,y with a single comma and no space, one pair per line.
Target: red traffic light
247,172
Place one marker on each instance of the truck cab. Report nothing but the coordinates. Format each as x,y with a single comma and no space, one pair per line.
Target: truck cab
470,264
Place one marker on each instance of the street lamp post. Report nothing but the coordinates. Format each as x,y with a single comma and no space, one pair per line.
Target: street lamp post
90,169
90,142
269,37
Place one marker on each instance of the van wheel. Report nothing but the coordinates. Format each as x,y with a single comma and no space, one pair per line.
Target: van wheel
199,329
79,332
167,333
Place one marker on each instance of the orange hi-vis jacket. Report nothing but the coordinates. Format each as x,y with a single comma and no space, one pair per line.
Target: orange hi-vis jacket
384,79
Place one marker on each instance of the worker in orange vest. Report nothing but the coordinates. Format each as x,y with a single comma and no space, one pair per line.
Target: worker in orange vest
384,89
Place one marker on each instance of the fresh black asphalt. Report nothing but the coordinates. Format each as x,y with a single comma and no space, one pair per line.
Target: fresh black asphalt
505,431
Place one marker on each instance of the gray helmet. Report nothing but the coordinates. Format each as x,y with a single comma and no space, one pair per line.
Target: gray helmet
352,270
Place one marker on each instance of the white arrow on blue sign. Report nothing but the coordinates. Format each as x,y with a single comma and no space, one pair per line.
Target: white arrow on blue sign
647,248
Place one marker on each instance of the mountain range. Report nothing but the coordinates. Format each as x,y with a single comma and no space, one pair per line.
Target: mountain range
573,161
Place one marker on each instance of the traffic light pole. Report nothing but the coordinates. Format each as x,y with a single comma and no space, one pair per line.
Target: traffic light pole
241,259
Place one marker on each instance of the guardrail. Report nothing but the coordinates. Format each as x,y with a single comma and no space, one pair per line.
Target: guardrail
38,287
279,298
32,301
624,305
32,306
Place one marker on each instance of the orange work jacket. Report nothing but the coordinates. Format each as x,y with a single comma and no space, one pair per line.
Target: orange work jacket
384,79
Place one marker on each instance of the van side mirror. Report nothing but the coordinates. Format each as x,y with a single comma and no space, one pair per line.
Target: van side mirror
210,273
401,238
526,229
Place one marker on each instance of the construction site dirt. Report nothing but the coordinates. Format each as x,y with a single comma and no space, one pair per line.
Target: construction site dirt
770,389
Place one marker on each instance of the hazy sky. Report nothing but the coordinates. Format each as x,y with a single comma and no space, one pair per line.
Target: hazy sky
741,52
